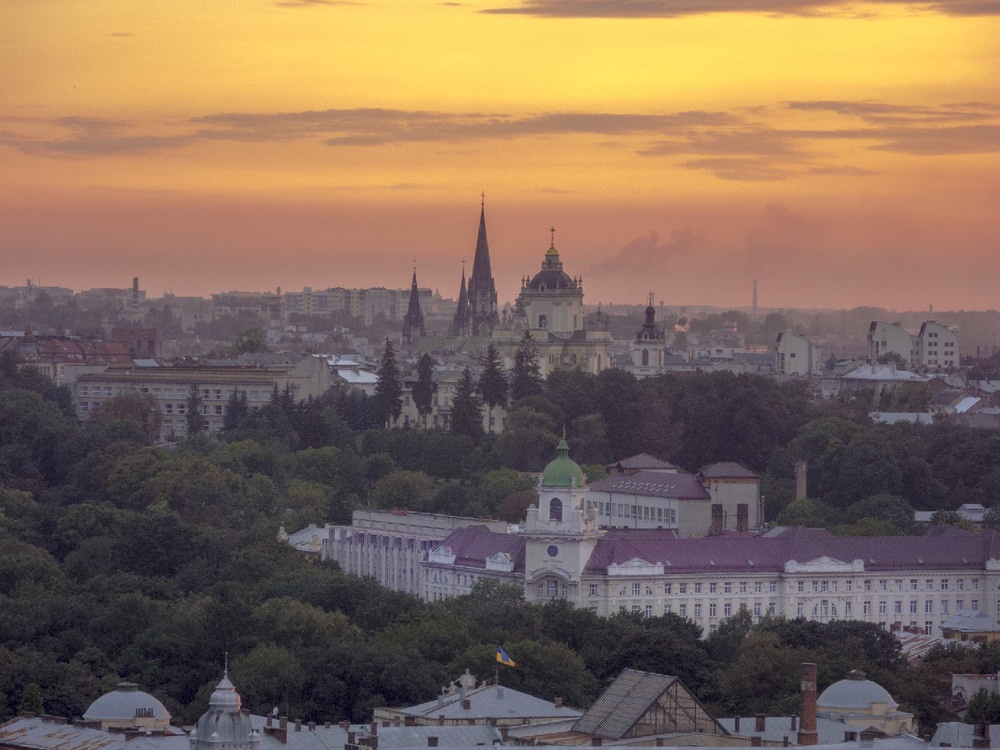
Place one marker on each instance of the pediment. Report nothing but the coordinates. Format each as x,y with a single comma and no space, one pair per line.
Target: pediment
824,564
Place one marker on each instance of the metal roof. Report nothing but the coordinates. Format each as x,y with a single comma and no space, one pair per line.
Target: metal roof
623,703
491,702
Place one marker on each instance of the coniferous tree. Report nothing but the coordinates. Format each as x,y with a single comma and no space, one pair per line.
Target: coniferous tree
466,419
526,378
236,409
388,389
194,418
493,382
423,391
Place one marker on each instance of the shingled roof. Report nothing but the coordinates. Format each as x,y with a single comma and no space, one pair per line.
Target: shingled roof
653,484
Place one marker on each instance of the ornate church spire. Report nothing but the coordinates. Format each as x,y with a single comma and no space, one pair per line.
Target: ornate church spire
482,290
460,323
413,323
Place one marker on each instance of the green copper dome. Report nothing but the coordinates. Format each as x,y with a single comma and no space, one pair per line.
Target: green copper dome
563,471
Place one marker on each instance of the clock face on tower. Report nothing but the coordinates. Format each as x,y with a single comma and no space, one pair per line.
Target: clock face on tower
553,550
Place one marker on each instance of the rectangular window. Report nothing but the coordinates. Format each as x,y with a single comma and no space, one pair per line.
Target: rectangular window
773,587
849,585
867,608
668,588
929,584
697,588
667,609
635,589
944,584
649,610
929,607
85,390
682,610
944,607
899,584
975,585
727,610
883,585
799,610
868,585
218,410
881,607
697,610
711,609
168,408
928,628
802,586
217,394
847,609
756,609
758,587
727,587
913,584
772,608
975,604
961,584
84,406
913,607
107,391
181,408
593,589
712,587
683,588
897,607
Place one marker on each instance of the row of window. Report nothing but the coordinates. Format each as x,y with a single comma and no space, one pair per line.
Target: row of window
758,587
207,394
665,516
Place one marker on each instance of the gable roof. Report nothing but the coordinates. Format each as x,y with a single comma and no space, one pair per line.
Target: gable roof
489,702
653,484
728,470
644,461
474,545
632,696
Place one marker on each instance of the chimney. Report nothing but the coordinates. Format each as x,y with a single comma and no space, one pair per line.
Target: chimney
282,722
440,720
558,701
345,725
351,738
466,704
432,742
409,721
981,735
312,726
374,729
760,723
743,518
755,742
784,741
736,725
800,481
717,521
504,734
794,720
298,725
807,727
268,720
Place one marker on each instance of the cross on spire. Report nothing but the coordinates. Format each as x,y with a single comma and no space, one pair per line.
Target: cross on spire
482,197
553,243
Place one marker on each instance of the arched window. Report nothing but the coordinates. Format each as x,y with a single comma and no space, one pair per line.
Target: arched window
555,510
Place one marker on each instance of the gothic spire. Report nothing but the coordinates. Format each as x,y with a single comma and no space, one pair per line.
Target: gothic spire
482,290
460,322
413,323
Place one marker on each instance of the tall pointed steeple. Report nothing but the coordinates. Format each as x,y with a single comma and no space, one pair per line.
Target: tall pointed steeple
460,323
413,323
482,291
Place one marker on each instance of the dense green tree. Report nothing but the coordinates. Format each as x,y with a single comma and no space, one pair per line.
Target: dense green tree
525,376
529,440
388,400
139,408
466,418
250,341
31,700
423,389
492,385
195,419
236,411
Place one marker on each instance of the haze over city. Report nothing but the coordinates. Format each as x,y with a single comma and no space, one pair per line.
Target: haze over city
843,154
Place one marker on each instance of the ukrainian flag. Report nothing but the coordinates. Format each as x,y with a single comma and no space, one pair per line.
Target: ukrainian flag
503,658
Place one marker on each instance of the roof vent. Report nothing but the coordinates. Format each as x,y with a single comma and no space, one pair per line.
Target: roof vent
749,562
920,561
712,563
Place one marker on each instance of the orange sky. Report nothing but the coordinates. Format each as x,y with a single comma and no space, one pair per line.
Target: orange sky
842,154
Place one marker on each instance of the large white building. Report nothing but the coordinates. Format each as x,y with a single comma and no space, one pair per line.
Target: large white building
935,347
561,552
796,355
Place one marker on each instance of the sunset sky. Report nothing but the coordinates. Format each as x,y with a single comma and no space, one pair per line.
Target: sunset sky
841,154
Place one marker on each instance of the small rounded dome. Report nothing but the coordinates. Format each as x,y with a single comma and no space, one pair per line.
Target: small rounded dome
563,471
126,703
224,722
550,279
854,693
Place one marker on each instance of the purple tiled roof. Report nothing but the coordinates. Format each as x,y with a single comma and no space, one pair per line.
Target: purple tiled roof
644,461
933,551
728,470
653,484
474,545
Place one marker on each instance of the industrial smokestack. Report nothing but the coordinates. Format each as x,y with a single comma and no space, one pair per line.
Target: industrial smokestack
807,724
801,493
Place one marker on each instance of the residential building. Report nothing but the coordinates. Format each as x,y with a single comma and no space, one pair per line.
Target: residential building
936,347
889,340
796,355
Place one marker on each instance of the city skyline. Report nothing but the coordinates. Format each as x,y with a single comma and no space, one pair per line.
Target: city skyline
842,154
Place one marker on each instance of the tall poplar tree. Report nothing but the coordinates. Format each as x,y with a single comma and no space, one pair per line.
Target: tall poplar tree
194,418
493,382
526,378
423,391
466,419
388,389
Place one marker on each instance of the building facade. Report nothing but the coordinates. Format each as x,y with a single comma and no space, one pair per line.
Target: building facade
795,355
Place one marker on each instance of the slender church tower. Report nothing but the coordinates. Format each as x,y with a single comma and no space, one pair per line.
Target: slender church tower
482,301
413,323
460,323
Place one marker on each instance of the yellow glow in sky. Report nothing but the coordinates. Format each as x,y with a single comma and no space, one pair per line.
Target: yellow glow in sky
824,146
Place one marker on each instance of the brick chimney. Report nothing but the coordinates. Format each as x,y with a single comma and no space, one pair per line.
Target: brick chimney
432,742
736,725
760,723
743,518
717,519
558,701
981,735
794,720
466,704
807,726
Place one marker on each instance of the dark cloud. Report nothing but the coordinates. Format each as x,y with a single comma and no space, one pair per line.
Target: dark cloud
881,113
679,8
648,255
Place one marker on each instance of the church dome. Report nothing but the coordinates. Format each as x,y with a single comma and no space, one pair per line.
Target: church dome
563,471
854,693
224,723
126,704
552,276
